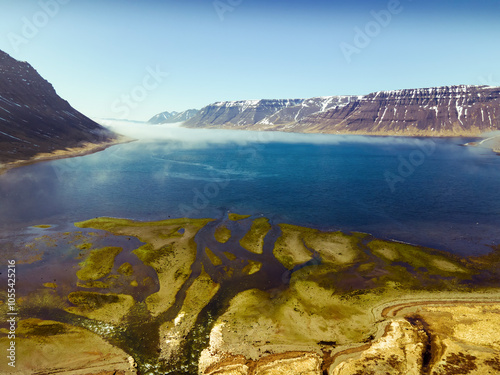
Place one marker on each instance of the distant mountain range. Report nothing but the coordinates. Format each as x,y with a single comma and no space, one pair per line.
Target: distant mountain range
34,119
440,111
171,117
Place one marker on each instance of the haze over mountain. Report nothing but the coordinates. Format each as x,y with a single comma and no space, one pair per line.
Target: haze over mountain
34,119
172,117
440,111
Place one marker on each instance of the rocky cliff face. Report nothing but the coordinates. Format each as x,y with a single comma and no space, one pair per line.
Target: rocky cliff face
443,338
171,117
241,114
293,114
456,110
34,119
441,111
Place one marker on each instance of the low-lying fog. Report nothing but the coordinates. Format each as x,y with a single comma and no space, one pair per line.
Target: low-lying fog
200,138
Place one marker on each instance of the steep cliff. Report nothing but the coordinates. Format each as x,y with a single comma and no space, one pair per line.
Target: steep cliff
34,119
245,113
441,111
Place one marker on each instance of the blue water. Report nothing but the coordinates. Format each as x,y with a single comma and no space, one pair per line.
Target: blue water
448,197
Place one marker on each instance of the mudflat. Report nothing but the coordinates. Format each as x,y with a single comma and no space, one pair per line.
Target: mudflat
249,296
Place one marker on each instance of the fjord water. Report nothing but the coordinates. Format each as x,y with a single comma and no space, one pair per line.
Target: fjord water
446,199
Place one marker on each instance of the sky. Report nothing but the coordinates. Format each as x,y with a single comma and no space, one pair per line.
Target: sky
132,59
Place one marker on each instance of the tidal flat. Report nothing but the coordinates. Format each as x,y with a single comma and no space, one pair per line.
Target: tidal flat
245,295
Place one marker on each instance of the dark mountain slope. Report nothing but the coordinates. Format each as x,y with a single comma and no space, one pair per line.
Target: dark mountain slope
34,119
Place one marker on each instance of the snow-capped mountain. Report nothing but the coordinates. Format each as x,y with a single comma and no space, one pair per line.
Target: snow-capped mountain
292,114
34,119
440,111
171,117
163,117
244,113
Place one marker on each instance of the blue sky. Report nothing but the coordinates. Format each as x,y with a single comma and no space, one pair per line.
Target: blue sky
132,59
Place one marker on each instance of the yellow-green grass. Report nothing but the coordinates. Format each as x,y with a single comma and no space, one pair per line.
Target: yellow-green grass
198,295
42,226
253,240
172,264
222,234
237,217
49,347
109,308
306,314
168,249
432,261
126,269
113,225
229,255
298,318
334,247
84,246
98,264
296,243
334,300
252,267
214,259
156,233
389,264
289,248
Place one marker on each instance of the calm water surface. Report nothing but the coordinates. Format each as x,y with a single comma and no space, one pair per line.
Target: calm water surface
447,199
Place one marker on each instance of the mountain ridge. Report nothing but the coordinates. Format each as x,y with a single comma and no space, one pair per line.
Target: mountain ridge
172,117
35,120
460,110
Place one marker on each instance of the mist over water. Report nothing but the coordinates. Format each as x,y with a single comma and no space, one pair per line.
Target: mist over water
425,191
202,138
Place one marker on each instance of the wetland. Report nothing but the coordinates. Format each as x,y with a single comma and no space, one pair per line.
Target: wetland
305,299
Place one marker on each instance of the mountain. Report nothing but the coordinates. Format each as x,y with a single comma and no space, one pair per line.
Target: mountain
162,118
171,117
443,111
241,114
439,111
34,119
292,114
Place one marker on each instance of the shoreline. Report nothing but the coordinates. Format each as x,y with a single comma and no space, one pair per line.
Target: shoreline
71,152
479,137
285,129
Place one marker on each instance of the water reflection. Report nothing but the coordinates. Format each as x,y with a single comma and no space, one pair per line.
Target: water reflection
447,201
